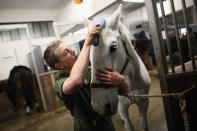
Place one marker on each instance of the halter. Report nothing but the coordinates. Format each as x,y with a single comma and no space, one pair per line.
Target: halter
112,103
128,59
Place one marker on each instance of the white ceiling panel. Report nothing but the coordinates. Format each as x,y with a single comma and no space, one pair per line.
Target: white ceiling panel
32,4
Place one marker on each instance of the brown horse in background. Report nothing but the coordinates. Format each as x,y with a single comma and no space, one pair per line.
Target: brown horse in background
21,78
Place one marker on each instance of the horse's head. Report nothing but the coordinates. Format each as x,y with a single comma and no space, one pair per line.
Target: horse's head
110,52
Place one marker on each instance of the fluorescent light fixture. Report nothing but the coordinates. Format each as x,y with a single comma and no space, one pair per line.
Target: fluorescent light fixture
135,1
12,27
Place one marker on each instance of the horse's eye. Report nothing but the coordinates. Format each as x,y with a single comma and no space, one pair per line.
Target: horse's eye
113,48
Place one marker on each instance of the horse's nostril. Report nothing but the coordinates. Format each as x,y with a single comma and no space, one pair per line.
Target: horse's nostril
108,108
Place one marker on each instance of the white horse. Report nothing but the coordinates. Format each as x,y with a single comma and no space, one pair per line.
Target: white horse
115,50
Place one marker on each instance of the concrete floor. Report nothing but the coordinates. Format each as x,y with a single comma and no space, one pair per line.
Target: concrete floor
61,120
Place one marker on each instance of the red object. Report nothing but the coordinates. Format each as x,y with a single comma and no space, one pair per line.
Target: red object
77,1
182,93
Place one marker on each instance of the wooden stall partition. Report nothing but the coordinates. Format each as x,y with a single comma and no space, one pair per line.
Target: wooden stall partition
47,81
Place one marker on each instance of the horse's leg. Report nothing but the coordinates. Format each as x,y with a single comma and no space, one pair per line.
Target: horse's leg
28,111
12,97
31,86
142,105
13,100
123,106
34,99
37,105
27,98
14,105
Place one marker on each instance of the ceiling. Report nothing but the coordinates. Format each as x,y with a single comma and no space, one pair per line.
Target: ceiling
48,4
32,4
130,6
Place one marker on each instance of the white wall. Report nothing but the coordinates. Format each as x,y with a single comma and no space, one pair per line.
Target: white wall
177,4
8,60
139,14
15,53
70,13
73,12
28,15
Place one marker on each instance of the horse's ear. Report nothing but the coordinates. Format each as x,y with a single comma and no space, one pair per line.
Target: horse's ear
125,34
88,23
115,18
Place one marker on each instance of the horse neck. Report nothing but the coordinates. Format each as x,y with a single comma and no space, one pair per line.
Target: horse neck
136,64
136,61
137,70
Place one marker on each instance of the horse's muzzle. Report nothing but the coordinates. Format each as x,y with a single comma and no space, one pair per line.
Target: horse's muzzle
104,98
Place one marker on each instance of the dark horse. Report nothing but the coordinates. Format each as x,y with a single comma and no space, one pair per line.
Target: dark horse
144,47
22,78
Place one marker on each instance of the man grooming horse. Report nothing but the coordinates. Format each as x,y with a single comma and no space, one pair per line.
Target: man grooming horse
72,86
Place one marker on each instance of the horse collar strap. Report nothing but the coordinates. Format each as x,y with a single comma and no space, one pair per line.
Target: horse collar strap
125,65
99,85
128,59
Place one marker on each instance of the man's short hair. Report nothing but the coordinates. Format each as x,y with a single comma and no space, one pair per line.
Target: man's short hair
49,55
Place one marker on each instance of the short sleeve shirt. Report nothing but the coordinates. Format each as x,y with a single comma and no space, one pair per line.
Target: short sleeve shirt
78,103
78,98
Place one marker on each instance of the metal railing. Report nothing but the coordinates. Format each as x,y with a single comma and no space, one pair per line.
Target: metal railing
177,34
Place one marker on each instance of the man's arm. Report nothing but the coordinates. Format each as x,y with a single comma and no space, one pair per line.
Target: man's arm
80,68
124,86
109,76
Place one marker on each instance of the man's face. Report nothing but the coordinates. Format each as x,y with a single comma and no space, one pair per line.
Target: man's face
66,57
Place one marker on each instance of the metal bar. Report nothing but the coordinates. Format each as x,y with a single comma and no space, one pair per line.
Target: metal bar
167,36
188,35
1,37
34,66
155,29
56,31
177,34
158,45
66,23
181,75
157,95
19,35
195,9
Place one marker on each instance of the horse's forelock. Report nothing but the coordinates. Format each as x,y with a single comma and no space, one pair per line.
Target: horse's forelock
110,33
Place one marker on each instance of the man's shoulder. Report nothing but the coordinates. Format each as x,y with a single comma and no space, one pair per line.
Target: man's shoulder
61,75
59,80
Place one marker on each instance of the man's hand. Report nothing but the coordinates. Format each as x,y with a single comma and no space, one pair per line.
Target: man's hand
94,30
109,76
